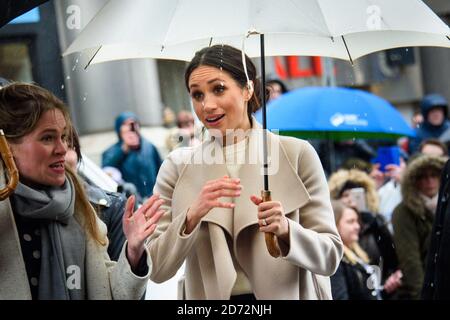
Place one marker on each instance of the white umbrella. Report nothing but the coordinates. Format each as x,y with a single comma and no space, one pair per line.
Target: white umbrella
176,29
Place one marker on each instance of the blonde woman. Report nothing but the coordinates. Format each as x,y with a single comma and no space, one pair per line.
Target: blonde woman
374,237
52,245
355,278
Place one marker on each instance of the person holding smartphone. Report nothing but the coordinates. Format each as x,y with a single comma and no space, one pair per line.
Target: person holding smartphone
356,189
136,158
355,278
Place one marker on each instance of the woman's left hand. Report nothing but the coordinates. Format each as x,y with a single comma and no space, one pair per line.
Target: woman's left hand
271,218
138,226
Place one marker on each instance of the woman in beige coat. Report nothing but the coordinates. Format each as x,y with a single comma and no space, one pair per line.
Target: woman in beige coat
52,245
215,221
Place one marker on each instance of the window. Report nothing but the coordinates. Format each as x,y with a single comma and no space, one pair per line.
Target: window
15,62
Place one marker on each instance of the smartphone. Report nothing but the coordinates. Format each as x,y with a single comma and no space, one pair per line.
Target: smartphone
387,155
133,127
358,196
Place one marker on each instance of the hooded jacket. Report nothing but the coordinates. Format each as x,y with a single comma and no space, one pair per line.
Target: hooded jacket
374,237
341,177
412,223
426,130
140,166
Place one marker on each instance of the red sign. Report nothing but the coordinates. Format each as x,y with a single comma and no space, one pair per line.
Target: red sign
292,67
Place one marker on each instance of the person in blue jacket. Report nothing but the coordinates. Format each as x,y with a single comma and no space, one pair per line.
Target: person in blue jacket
137,159
435,122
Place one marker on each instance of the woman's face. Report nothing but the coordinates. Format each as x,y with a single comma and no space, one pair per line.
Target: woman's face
219,102
40,154
348,227
428,183
436,116
275,91
347,198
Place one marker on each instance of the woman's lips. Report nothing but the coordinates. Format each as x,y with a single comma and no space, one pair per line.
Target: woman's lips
57,167
214,120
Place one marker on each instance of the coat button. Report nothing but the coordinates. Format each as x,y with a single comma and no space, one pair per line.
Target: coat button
34,281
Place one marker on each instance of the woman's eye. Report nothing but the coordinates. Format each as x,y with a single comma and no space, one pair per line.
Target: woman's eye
219,89
196,95
47,138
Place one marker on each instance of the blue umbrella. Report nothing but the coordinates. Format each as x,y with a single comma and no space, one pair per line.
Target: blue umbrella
335,113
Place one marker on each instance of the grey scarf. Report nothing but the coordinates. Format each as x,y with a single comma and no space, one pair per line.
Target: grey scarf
62,239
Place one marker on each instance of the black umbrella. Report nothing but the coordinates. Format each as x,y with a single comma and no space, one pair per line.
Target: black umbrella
11,9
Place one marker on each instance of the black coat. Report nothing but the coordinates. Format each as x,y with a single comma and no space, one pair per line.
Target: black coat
377,241
350,283
437,274
110,207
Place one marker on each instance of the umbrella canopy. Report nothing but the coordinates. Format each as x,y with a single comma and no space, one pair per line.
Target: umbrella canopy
335,113
14,8
176,29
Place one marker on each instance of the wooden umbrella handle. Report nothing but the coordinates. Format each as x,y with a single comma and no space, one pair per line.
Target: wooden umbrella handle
11,168
271,239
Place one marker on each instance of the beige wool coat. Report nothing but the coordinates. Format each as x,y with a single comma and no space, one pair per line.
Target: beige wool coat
299,184
104,278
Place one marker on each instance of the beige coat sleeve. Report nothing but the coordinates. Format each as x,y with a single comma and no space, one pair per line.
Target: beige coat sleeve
315,244
124,284
168,245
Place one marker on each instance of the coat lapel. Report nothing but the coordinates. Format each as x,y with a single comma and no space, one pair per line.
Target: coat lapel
284,182
192,180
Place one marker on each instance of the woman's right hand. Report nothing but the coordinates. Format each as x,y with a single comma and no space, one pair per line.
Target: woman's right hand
393,282
209,199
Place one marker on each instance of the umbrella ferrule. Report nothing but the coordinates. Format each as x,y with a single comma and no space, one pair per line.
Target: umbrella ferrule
252,32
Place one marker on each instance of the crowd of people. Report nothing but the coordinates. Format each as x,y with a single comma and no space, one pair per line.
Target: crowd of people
360,232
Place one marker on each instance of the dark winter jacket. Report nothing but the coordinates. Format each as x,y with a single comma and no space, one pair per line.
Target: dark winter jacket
437,276
110,207
139,167
412,224
377,241
426,130
350,282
